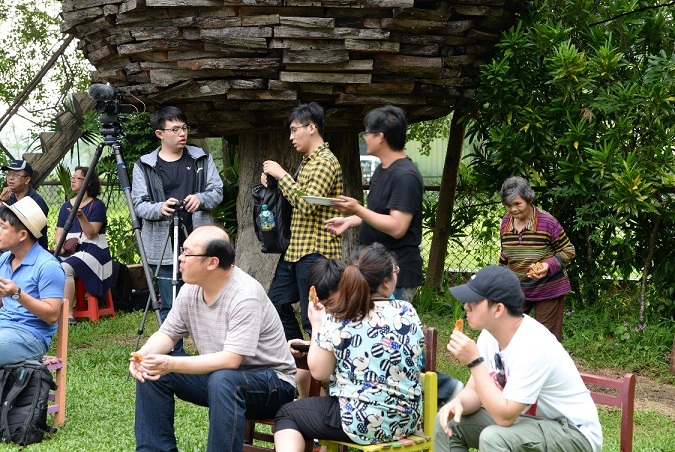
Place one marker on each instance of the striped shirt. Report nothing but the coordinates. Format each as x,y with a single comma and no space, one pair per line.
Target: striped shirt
242,321
542,240
320,175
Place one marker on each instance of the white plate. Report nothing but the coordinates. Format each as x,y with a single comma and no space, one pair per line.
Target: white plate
320,200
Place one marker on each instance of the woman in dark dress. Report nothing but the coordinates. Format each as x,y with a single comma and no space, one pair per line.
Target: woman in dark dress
92,262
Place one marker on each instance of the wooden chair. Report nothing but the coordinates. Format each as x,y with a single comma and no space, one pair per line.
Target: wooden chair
251,433
59,364
87,305
624,399
421,440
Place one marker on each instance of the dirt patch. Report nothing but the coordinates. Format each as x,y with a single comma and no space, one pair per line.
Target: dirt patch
649,394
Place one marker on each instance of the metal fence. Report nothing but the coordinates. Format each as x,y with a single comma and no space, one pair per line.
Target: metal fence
466,253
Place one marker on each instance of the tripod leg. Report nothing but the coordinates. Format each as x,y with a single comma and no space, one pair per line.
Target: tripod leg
135,223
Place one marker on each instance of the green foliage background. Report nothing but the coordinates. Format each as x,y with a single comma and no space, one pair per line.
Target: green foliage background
586,112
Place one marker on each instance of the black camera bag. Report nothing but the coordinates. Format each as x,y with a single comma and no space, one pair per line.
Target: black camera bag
23,410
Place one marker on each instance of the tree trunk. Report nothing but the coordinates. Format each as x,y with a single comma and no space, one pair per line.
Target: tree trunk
446,202
345,146
254,149
648,265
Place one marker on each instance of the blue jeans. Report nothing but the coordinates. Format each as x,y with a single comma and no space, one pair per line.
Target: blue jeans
165,284
19,345
288,286
232,396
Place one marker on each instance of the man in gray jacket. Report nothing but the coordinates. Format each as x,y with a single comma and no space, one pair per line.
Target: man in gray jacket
174,178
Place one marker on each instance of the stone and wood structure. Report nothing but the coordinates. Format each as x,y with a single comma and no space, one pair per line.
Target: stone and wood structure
237,67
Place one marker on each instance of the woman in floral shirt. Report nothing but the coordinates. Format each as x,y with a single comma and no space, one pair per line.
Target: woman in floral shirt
370,347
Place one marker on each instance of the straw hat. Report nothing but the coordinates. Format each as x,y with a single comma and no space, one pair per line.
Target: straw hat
30,214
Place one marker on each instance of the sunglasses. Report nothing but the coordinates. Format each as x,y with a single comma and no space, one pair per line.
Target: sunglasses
501,376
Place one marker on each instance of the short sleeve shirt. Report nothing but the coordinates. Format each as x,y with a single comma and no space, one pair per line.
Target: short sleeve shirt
377,373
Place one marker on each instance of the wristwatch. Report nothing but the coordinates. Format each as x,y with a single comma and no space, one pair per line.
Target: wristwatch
17,294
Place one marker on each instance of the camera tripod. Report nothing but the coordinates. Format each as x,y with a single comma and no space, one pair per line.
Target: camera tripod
176,242
112,142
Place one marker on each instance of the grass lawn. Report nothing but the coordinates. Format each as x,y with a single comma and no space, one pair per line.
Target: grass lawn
100,397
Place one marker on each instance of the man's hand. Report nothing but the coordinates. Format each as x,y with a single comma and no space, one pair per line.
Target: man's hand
453,408
337,225
7,287
462,347
191,203
169,207
316,312
347,205
152,367
273,169
6,193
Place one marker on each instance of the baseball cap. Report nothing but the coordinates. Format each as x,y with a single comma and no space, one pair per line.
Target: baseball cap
30,214
19,165
494,282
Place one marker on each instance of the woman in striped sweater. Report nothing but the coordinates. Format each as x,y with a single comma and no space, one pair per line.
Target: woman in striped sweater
535,247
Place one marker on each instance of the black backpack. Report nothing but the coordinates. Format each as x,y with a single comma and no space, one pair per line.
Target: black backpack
121,287
25,394
276,240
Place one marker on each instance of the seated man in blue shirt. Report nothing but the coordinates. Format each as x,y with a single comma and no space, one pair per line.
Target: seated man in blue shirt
31,284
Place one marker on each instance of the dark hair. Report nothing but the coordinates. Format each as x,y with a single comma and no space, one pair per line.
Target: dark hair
516,186
94,187
223,250
10,217
370,266
308,113
160,117
391,122
325,276
513,311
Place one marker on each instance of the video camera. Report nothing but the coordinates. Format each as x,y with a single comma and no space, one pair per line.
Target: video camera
179,206
108,107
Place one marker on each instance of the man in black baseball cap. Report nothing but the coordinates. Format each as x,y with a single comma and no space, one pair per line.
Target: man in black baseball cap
524,391
19,175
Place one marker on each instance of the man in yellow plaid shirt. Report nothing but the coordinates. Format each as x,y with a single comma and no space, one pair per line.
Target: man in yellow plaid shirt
319,175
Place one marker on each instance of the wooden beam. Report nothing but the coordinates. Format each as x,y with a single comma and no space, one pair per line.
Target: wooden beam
347,66
318,77
314,57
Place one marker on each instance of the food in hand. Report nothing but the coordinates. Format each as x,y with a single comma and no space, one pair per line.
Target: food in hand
459,325
136,357
535,269
313,297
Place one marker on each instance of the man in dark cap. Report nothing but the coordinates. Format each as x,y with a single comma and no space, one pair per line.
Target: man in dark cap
525,391
19,175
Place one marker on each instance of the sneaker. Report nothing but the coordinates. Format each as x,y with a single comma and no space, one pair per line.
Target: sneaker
71,321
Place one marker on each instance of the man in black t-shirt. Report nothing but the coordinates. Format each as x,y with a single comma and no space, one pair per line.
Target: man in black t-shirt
173,173
394,213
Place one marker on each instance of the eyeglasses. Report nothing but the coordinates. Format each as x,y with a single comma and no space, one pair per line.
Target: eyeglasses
76,178
501,377
396,269
295,129
15,176
184,254
184,129
366,132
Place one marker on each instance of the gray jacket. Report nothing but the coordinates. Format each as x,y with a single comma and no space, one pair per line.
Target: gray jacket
148,197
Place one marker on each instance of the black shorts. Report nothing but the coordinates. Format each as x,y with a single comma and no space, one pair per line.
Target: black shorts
313,417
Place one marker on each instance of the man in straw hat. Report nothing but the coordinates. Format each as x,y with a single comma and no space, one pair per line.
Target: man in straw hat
525,392
19,177
31,284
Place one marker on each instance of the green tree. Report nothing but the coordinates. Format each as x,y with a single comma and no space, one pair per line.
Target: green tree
579,99
29,36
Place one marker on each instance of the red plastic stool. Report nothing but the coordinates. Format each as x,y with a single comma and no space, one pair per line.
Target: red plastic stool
86,304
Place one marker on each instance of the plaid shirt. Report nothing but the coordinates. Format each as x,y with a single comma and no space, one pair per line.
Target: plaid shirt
320,175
